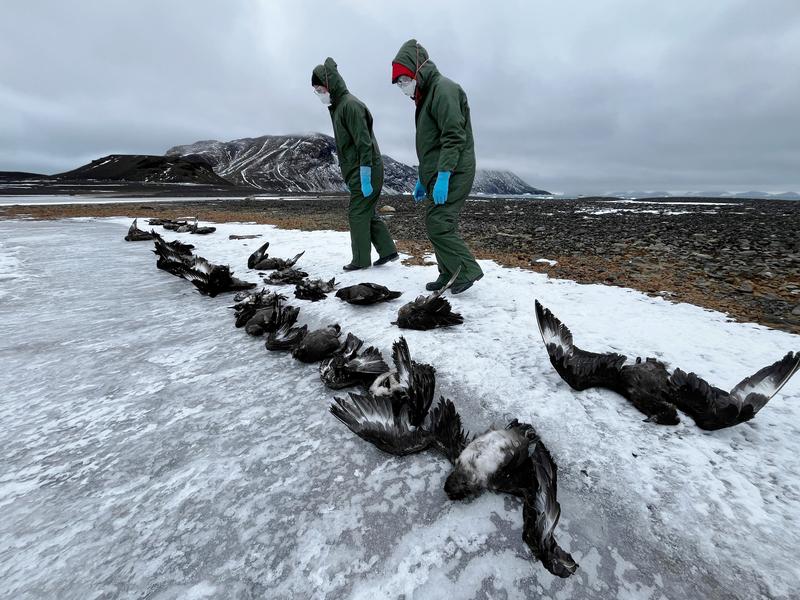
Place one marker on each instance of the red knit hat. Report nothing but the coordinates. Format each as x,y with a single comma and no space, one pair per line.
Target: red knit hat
398,69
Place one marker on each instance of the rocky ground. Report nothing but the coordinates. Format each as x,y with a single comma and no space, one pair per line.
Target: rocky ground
738,256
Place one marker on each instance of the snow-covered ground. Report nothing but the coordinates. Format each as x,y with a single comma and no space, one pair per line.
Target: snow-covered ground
150,449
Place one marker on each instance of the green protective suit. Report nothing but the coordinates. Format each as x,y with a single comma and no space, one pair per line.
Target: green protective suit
356,146
444,143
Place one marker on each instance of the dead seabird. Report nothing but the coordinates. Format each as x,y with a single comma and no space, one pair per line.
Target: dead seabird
261,261
429,312
649,386
351,366
314,289
211,279
257,256
285,277
511,460
257,312
366,293
137,235
318,345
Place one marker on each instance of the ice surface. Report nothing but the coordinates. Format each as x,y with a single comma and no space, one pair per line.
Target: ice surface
152,450
99,199
106,199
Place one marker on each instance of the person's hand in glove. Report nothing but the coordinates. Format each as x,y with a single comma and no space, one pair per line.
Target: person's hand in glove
440,188
366,181
419,192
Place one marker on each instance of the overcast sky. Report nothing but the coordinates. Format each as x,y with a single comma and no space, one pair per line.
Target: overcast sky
573,96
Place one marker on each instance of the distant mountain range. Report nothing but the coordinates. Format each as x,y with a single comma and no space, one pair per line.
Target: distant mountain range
308,163
633,194
292,163
273,163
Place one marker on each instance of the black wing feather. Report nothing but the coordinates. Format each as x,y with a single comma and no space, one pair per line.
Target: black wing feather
580,369
541,512
449,435
713,408
374,420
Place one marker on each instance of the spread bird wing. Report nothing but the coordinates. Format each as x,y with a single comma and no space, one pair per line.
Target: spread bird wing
286,336
420,394
416,379
760,387
714,408
443,313
579,368
541,512
173,250
373,419
369,362
449,436
181,248
401,356
199,274
170,261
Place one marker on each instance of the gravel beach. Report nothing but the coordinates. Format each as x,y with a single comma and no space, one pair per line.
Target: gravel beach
741,257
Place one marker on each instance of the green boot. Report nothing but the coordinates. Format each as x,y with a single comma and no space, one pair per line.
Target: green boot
434,286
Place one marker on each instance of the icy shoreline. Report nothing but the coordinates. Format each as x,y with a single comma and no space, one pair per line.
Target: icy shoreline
150,440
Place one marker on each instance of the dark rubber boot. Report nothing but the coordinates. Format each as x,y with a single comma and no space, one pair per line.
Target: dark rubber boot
352,267
385,259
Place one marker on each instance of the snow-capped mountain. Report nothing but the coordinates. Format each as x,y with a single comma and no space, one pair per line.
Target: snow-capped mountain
492,182
308,163
287,163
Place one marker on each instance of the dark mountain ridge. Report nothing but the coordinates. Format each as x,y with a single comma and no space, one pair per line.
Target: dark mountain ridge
145,169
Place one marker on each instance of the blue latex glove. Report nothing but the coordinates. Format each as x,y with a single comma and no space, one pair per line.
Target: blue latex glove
440,188
419,191
366,181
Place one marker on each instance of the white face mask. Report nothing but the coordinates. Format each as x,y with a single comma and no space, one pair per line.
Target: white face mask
323,95
407,85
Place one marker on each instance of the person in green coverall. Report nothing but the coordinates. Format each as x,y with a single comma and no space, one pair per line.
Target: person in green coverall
446,154
361,164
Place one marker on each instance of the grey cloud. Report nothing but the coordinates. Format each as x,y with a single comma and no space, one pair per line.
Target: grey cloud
573,96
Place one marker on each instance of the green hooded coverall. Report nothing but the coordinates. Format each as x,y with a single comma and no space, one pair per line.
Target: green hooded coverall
444,143
356,146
